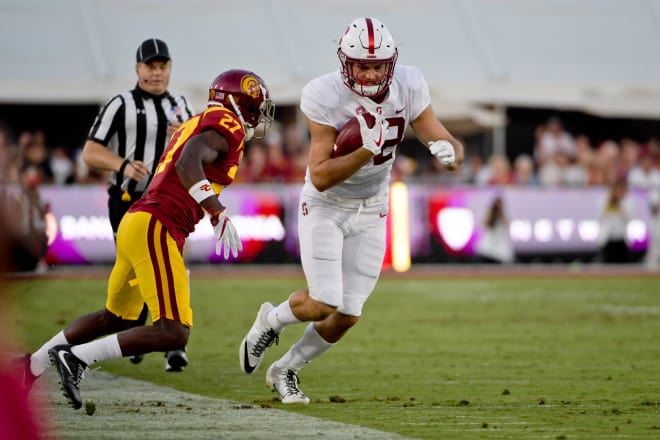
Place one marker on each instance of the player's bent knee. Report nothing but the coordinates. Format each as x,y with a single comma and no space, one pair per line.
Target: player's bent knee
174,334
320,310
308,308
347,321
109,322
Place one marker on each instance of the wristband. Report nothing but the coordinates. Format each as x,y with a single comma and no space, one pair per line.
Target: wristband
202,190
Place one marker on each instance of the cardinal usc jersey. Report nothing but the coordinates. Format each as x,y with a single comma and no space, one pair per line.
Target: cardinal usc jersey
166,198
327,101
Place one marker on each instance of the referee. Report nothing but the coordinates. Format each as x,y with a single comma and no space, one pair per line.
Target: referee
128,137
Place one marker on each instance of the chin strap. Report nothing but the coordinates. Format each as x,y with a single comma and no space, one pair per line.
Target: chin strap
249,131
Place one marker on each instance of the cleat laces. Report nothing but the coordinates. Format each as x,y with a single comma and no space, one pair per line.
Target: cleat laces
291,383
265,340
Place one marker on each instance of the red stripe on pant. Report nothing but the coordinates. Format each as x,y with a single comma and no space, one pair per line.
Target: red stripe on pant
154,263
168,273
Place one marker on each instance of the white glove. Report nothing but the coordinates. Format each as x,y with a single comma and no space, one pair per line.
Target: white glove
225,232
443,151
373,138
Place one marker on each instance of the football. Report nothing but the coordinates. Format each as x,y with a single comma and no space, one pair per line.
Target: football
349,138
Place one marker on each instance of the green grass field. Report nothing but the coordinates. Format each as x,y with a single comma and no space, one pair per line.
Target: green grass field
482,358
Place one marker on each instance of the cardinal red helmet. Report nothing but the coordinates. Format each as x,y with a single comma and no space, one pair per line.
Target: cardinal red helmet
367,41
246,94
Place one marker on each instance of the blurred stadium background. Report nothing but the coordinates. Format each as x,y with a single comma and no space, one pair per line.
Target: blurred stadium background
509,78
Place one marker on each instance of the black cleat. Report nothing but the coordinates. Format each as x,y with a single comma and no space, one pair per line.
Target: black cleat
136,359
71,370
176,360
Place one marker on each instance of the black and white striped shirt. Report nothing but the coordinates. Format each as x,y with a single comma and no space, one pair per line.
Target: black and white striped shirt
133,125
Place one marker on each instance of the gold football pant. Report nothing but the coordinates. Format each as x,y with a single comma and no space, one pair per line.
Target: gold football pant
149,269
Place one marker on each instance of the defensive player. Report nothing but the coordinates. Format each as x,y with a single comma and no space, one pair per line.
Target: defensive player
201,159
344,201
128,137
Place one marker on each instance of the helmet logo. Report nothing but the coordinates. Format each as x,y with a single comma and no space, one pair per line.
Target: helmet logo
250,86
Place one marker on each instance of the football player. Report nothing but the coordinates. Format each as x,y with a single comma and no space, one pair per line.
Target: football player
201,159
344,201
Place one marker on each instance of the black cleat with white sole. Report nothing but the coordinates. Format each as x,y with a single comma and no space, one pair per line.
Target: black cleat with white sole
71,371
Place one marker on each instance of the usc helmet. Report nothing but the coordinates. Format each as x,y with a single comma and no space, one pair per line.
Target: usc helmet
367,41
246,94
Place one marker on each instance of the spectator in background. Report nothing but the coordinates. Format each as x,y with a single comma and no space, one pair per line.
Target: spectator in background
61,166
652,257
30,211
553,138
10,159
653,149
629,157
254,167
495,245
595,174
278,168
607,159
644,175
83,174
35,156
582,145
575,175
23,208
561,171
296,143
613,225
499,170
477,171
523,171
584,158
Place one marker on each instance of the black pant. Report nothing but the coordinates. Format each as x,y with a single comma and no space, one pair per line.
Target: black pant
117,208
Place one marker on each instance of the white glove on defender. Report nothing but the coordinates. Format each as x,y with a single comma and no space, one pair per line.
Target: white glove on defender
443,151
373,138
225,231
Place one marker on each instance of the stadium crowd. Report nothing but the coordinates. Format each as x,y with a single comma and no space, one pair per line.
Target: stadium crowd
558,158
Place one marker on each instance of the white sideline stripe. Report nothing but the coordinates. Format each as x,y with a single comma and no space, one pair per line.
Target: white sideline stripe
128,408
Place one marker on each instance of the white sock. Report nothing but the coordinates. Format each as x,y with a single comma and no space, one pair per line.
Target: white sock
99,350
310,346
281,316
39,361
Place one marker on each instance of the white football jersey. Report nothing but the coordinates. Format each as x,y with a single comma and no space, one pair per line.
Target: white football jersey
326,100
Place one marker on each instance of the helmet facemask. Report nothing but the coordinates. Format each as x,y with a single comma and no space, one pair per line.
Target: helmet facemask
264,114
246,95
368,90
367,41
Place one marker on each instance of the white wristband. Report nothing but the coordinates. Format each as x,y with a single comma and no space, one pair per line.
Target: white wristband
202,190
